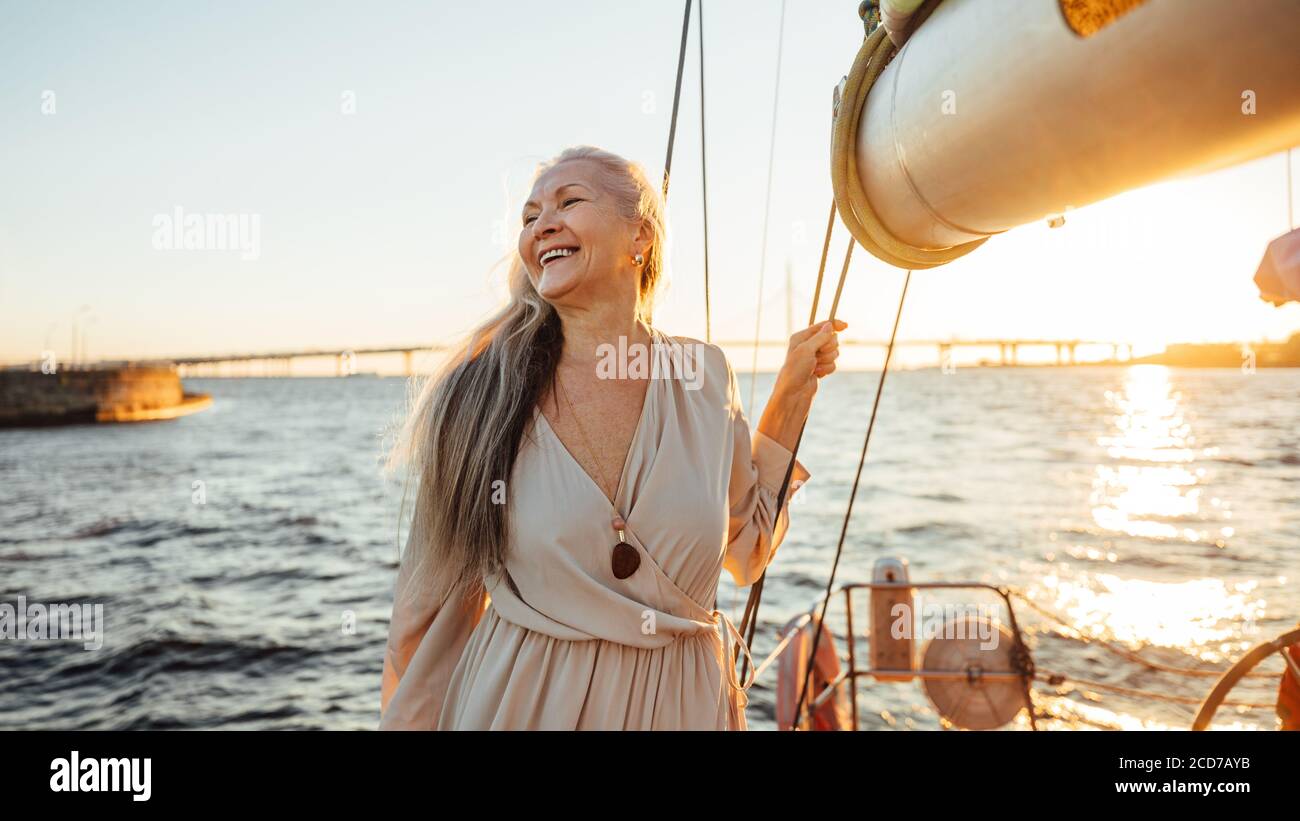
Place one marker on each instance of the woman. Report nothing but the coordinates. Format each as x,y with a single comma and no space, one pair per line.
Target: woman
574,513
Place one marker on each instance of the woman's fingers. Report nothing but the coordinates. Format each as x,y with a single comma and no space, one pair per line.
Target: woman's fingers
801,337
811,355
822,350
817,340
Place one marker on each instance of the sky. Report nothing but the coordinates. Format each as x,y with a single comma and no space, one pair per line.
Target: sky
385,151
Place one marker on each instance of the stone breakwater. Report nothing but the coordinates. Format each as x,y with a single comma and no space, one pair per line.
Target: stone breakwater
127,393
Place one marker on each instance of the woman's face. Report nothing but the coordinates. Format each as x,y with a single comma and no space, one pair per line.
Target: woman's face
569,212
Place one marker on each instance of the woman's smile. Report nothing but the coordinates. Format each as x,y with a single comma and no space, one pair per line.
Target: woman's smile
556,253
561,273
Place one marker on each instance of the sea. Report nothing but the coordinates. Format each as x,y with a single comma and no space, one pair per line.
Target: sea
1143,522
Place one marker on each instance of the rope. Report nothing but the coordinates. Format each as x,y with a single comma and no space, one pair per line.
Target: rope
767,207
1056,679
839,289
848,512
856,211
865,226
843,134
817,291
860,219
750,620
704,182
1128,654
677,96
672,139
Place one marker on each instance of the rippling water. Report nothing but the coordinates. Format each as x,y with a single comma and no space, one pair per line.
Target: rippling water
1154,509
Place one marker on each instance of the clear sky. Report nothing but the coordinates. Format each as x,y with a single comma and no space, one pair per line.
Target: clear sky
382,226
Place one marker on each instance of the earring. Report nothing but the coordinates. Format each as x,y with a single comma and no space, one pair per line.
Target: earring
640,260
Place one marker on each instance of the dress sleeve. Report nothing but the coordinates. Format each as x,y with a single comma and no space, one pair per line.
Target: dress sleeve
427,633
758,467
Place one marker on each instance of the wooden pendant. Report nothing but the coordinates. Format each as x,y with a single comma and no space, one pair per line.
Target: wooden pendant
626,560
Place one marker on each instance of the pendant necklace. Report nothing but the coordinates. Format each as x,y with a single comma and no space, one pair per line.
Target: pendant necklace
625,560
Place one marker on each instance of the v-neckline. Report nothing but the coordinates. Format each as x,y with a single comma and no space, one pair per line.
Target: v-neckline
627,458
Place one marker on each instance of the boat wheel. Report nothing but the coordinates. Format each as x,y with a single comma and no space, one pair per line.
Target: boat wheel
1235,673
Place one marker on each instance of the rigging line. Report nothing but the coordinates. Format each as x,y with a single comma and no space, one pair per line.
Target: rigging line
704,182
1079,635
848,512
826,245
677,95
750,620
839,289
1046,677
757,595
767,208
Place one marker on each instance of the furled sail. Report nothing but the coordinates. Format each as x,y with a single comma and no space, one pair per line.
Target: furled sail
993,115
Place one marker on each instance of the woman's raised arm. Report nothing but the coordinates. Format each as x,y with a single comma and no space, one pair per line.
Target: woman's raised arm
760,462
758,466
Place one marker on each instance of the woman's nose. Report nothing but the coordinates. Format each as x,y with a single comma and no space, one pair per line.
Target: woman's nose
545,225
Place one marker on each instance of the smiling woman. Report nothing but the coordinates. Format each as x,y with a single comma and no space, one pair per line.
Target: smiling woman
596,205
583,596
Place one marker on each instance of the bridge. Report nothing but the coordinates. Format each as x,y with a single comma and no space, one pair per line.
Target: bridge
1008,349
280,363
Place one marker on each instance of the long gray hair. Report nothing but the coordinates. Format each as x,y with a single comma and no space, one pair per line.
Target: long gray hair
467,421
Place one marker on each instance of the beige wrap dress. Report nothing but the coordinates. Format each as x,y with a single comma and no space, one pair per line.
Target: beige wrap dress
560,642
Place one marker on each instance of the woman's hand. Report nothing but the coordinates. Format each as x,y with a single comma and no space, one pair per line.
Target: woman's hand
810,356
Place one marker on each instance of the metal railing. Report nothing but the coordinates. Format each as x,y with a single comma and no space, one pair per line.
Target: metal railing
1022,660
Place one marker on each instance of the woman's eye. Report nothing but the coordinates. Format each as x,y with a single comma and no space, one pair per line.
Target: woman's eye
566,204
